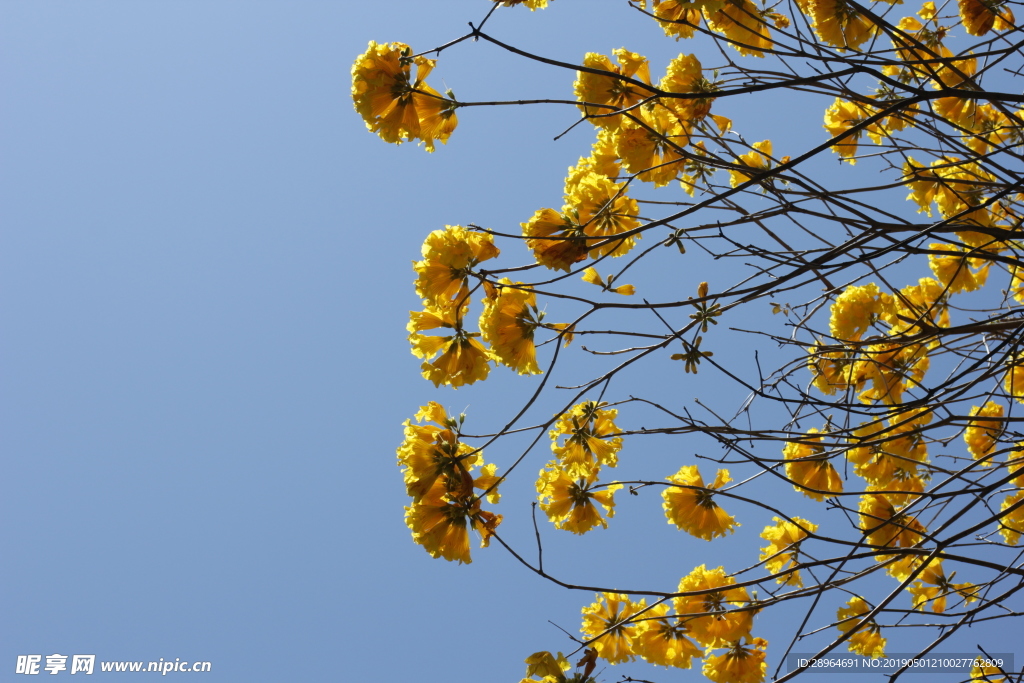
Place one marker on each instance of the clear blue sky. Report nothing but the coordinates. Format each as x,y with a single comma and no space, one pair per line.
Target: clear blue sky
204,285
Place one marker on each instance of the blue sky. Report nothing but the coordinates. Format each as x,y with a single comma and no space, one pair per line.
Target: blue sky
204,283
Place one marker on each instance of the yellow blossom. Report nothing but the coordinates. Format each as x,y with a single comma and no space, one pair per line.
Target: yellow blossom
741,23
892,369
741,663
608,620
603,160
665,641
989,674
840,117
685,76
784,548
593,277
611,90
1013,381
693,509
449,255
569,502
556,239
933,586
589,427
1011,526
809,469
1015,465
392,104
463,359
981,16
602,210
982,435
548,667
679,18
830,369
726,615
648,144
433,451
925,302
886,526
759,160
867,640
890,453
837,23
596,209
440,521
532,4
953,270
854,311
508,323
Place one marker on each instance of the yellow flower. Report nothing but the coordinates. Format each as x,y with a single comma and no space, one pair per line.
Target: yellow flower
891,452
867,640
989,674
933,586
603,160
589,445
892,369
612,90
593,277
830,369
548,667
664,641
649,144
392,104
532,4
784,548
741,23
449,256
840,117
596,209
981,436
508,323
922,184
809,470
679,17
685,76
843,116
953,270
981,16
463,359
759,160
926,301
1015,465
569,502
608,620
440,521
885,526
557,240
837,23
725,612
692,509
741,663
902,488
854,311
602,210
1012,525
433,451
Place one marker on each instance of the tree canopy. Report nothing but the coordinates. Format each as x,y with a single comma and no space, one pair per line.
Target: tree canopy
861,303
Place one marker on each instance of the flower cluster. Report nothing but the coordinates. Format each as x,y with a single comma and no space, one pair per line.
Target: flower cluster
583,441
710,619
442,475
394,105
